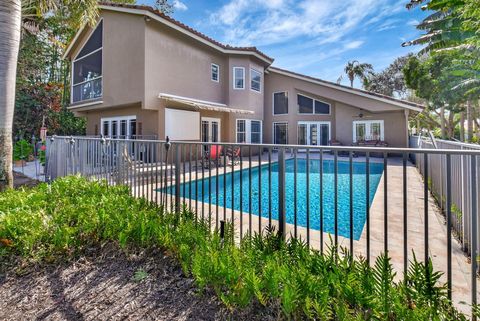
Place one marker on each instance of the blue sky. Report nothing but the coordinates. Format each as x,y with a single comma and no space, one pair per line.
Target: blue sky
314,37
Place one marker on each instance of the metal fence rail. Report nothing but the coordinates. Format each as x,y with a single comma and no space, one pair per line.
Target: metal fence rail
308,192
459,183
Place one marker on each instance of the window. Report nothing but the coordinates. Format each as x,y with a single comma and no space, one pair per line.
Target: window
307,105
368,130
313,133
119,127
238,78
256,132
215,73
280,133
241,131
249,131
280,103
255,80
87,68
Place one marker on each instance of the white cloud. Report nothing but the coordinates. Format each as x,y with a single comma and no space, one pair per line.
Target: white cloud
353,44
261,23
179,5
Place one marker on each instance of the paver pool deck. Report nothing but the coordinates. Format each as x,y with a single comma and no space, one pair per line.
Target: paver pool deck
437,232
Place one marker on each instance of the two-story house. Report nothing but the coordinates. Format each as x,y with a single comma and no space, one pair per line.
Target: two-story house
140,72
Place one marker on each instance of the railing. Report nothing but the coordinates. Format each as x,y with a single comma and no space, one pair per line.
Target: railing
460,183
321,194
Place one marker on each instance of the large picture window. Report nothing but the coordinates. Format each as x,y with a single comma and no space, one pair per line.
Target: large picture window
280,103
307,105
368,130
249,131
87,68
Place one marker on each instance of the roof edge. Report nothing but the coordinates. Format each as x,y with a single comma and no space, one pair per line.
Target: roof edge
365,93
174,24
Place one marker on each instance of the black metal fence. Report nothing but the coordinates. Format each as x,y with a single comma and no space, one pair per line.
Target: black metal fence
368,200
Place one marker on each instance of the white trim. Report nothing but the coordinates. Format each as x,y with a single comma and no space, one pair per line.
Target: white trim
88,38
368,123
86,104
273,130
244,78
211,72
248,130
340,88
252,70
273,102
173,26
329,123
313,107
89,54
118,119
76,59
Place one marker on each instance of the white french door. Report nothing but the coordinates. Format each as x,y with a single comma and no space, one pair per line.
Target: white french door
368,130
313,133
119,127
210,129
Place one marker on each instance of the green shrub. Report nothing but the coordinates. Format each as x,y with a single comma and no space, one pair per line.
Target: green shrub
21,150
62,219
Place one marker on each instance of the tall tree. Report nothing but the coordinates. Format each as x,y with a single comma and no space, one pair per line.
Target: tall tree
390,81
13,15
355,69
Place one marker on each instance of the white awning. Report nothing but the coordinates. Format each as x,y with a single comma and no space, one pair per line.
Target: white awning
202,104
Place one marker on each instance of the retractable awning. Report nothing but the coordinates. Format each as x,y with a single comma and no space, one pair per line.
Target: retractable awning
202,104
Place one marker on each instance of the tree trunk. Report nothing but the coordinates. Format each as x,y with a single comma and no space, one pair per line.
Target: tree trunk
462,126
10,23
442,121
469,121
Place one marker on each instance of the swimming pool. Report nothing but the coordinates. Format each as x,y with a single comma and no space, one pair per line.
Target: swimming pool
193,190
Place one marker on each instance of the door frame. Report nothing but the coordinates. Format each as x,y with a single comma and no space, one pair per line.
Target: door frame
368,124
210,120
308,122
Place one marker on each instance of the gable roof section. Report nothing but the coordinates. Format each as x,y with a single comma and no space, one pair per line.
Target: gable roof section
368,94
175,24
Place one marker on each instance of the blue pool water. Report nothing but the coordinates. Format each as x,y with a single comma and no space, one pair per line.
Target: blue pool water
241,197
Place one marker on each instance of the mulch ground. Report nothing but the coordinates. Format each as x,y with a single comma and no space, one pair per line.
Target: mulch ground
20,180
111,284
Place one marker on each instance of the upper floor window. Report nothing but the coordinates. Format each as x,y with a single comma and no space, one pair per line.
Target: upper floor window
280,103
255,80
215,73
307,105
238,78
87,68
249,131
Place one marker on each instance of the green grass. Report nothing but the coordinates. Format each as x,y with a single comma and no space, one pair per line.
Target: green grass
59,220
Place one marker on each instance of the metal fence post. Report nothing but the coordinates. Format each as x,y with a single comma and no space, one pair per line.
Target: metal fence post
282,226
473,234
178,156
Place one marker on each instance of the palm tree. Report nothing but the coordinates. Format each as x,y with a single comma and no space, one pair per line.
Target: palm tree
12,14
355,69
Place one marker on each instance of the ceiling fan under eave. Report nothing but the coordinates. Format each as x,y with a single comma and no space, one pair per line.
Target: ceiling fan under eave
362,115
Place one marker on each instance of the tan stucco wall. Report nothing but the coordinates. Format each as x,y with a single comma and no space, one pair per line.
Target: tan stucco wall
341,115
145,58
123,58
147,118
